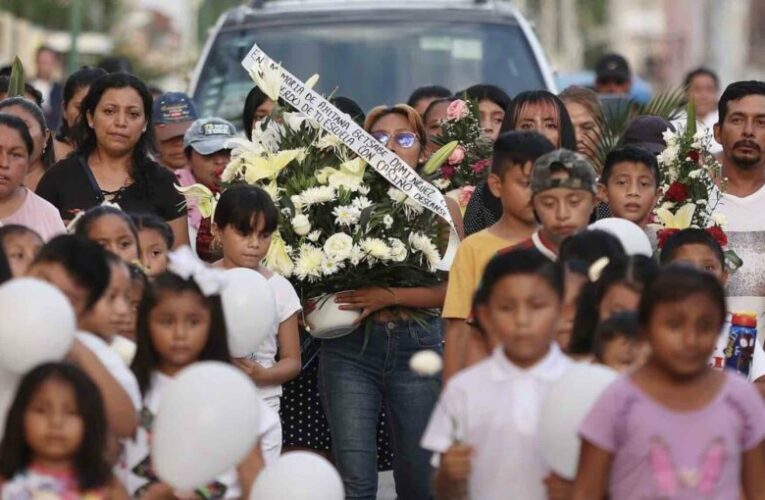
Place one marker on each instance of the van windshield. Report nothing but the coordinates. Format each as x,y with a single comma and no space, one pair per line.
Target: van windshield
372,63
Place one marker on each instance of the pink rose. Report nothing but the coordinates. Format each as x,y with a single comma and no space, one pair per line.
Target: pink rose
457,110
447,171
457,156
465,194
480,166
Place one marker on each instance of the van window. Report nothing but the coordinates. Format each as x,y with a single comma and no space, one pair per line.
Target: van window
372,63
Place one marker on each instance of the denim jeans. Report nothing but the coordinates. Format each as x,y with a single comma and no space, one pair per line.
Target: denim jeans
355,381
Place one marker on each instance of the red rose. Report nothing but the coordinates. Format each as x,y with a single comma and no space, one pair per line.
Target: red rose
719,235
663,235
677,192
480,166
448,171
694,155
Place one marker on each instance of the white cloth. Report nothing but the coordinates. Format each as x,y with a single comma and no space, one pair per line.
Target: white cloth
287,304
137,451
494,407
746,288
114,364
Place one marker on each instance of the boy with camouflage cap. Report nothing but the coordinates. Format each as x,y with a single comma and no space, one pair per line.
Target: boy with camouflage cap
563,189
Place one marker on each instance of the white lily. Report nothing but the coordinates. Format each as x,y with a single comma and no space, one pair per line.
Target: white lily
681,219
206,200
269,166
268,79
311,82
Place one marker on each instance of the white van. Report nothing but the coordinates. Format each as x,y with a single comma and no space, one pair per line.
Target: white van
375,52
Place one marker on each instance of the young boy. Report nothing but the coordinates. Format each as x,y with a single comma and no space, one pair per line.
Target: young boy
79,268
698,248
484,428
514,156
563,187
21,245
630,184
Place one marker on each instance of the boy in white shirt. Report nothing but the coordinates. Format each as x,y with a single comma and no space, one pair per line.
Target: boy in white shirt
484,428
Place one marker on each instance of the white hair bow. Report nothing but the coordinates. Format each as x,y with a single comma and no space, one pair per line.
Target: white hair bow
72,226
596,269
185,264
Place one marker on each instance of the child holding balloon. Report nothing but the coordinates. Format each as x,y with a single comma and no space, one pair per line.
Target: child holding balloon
245,219
55,437
484,428
676,427
180,322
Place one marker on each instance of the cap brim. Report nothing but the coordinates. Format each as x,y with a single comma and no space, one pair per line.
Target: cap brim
165,131
652,147
210,146
612,74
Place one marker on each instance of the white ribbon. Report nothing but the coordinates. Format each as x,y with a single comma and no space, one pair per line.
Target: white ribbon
185,264
384,161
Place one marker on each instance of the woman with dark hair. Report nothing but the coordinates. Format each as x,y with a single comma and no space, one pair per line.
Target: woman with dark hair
536,110
111,163
492,105
42,157
257,107
75,90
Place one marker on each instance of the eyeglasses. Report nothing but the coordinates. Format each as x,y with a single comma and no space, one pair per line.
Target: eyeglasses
404,139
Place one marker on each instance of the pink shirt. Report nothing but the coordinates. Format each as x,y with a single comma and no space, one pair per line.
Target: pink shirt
668,454
39,215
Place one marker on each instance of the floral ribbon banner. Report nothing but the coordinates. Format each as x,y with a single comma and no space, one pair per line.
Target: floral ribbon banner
295,92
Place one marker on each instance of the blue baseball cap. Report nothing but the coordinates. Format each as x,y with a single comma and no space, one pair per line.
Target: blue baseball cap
209,135
172,114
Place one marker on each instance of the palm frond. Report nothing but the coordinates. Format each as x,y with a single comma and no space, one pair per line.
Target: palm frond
16,80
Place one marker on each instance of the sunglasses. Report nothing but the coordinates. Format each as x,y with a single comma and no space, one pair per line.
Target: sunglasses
404,139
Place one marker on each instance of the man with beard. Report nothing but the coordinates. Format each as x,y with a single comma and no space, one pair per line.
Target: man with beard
741,132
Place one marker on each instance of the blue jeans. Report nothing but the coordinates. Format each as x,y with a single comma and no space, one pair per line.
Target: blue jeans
355,381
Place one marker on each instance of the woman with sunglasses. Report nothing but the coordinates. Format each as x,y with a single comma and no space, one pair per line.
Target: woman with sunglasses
360,371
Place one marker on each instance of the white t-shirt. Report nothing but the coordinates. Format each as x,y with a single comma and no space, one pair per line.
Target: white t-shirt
287,304
746,288
134,470
494,407
114,364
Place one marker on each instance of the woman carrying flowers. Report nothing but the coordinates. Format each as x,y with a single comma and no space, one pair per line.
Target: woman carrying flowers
360,371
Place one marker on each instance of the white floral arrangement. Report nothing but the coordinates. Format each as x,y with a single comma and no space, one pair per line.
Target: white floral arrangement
342,225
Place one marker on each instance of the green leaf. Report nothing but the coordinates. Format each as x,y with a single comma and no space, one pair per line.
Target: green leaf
439,157
691,117
16,80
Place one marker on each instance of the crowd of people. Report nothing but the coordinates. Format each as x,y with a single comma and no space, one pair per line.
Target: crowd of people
92,207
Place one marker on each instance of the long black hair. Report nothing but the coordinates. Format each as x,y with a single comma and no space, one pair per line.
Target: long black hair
85,137
17,124
83,225
80,79
48,157
15,453
146,357
255,98
566,130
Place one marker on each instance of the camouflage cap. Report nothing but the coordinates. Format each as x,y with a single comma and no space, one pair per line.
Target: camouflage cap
580,173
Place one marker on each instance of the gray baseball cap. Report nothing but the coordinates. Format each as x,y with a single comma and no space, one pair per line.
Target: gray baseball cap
581,174
209,135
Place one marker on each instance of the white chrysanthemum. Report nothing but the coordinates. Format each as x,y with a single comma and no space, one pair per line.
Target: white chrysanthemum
317,195
362,202
442,183
357,255
364,189
294,121
397,195
412,208
338,246
375,248
422,243
398,250
669,137
347,181
346,215
388,221
329,266
695,174
273,190
720,219
301,224
314,235
297,202
309,262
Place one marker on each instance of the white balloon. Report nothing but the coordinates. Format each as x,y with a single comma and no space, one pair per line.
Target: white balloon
633,238
298,475
206,424
250,310
563,410
38,324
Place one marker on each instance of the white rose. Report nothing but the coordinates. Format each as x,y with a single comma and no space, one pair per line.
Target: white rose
398,251
301,225
720,219
314,235
426,363
339,246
